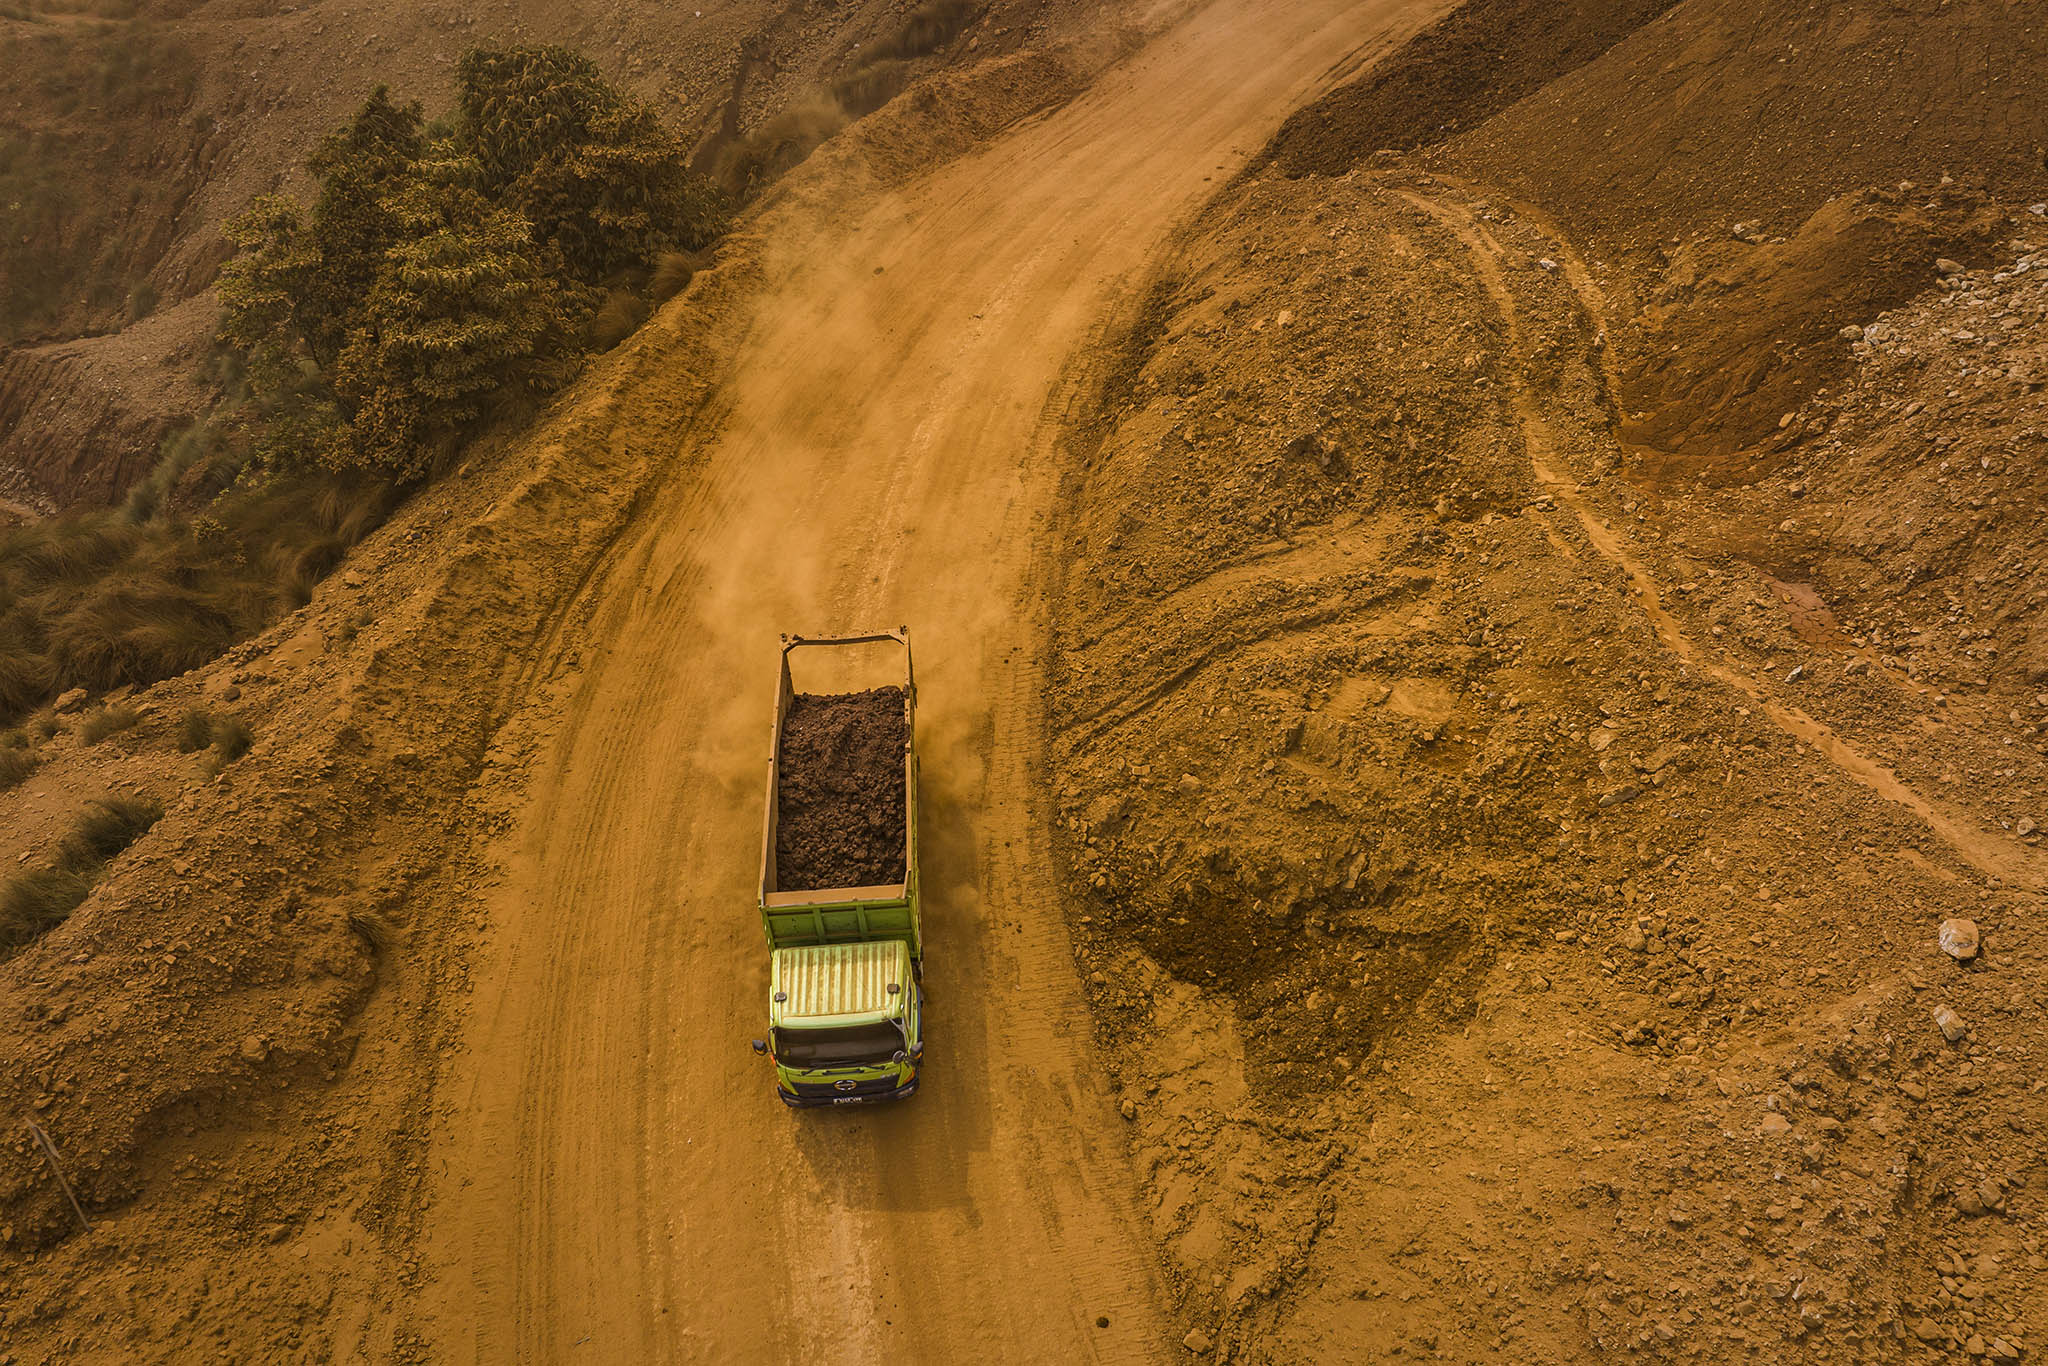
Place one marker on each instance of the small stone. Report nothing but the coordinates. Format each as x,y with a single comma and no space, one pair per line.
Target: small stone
1635,941
1197,1342
1856,668
1991,1194
68,701
2001,1350
1968,1201
1775,1123
1950,1023
1944,266
1959,939
2024,827
1974,1345
1851,333
1913,1090
255,1048
1927,1330
1627,792
1129,1108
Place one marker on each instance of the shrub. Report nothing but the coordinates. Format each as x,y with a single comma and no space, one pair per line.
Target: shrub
231,738
195,731
359,166
35,902
15,766
616,319
672,273
596,173
107,827
107,721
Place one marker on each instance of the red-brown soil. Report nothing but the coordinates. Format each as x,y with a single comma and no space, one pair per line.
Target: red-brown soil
1440,809
840,814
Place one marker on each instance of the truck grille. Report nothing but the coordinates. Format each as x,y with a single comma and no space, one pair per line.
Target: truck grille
825,1090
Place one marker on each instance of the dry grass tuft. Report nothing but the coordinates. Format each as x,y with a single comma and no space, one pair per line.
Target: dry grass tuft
34,903
231,738
108,826
108,721
195,731
616,319
15,766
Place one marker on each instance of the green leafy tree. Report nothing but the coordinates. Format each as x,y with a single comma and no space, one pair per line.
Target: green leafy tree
266,287
597,174
359,166
464,309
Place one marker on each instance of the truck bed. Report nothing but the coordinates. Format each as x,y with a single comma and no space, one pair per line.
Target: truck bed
840,801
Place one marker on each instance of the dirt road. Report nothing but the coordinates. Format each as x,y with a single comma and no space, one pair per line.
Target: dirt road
615,1180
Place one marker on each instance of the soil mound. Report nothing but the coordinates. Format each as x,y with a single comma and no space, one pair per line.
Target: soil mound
1739,332
839,815
1462,70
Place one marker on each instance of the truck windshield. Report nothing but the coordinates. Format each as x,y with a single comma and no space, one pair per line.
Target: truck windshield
848,1046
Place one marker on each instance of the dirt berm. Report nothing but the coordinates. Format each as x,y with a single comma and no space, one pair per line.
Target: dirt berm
1509,858
839,818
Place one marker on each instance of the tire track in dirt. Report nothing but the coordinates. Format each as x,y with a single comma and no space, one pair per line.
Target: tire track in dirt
1991,854
617,1180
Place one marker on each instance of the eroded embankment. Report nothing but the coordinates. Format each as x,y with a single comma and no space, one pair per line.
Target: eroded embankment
1493,961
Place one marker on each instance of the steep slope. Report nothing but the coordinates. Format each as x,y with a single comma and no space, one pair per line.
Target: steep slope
127,142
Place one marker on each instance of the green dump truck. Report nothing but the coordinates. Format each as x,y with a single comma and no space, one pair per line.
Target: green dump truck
839,884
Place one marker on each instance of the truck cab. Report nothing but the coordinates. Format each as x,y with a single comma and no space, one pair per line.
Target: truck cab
845,1023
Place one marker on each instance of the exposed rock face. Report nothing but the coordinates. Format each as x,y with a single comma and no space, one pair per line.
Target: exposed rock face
82,420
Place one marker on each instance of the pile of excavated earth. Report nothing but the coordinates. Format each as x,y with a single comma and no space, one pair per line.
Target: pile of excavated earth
1547,734
839,796
1550,704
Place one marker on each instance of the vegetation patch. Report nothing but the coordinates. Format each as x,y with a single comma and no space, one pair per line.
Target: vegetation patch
108,721
36,901
15,765
445,277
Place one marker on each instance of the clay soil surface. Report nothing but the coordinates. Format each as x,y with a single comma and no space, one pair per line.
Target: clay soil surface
1484,740
840,794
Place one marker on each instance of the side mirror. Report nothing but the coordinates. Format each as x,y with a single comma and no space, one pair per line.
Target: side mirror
761,1047
917,1052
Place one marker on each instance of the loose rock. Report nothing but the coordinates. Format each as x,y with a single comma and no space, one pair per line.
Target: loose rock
1959,939
1951,1024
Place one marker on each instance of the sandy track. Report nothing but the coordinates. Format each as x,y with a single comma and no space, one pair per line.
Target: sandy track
614,1179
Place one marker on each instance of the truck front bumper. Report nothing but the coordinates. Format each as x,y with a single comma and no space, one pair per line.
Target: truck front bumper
795,1102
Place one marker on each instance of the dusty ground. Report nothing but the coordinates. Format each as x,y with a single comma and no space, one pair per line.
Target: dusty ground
1504,778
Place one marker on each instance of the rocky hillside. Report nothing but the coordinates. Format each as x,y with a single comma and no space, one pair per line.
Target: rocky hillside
126,143
1549,702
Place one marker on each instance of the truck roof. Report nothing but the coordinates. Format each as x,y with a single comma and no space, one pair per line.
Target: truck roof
828,984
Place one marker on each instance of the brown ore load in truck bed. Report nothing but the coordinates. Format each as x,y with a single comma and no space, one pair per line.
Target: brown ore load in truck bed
839,814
